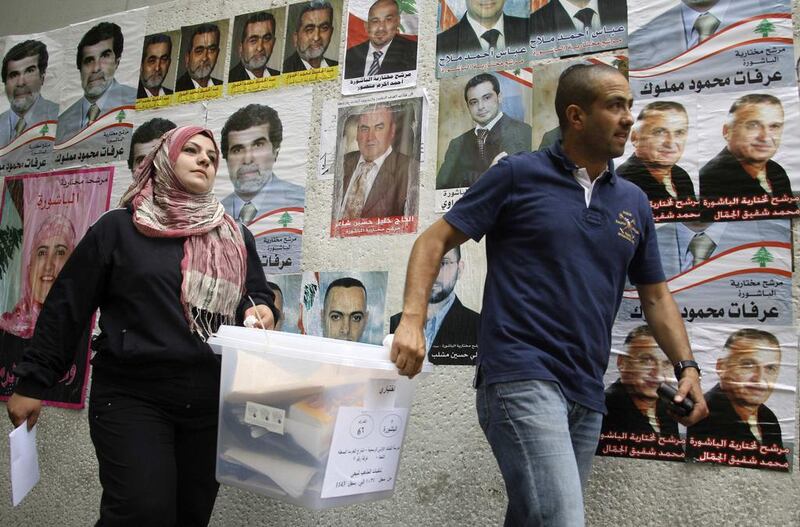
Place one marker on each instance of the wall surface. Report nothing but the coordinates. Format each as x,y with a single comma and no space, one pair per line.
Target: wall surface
447,475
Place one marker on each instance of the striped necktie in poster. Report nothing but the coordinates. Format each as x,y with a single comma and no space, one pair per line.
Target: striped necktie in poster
376,63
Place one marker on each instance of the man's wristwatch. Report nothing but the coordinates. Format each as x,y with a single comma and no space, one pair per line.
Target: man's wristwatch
683,364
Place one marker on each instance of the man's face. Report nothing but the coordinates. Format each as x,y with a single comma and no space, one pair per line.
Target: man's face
382,23
644,368
345,314
608,121
445,282
748,374
23,83
375,133
250,159
155,65
256,49
98,66
485,9
755,134
483,102
46,262
201,58
140,151
660,138
316,28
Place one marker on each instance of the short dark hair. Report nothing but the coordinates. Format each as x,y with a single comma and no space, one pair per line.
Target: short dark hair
100,32
26,49
345,282
201,29
661,106
157,38
313,5
254,18
578,85
480,79
754,98
638,331
751,334
250,116
149,131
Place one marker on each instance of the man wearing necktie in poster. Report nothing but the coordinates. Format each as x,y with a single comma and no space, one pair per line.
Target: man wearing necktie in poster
577,16
98,57
311,38
156,60
385,51
375,178
200,59
24,68
484,26
251,142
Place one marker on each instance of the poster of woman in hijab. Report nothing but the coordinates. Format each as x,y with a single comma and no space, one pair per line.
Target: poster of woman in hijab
262,183
476,35
691,46
99,96
31,74
376,182
562,28
54,210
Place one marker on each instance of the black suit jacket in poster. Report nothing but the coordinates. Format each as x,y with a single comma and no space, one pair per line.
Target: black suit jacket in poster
724,176
553,18
633,170
238,73
387,197
461,38
184,82
293,63
401,56
141,94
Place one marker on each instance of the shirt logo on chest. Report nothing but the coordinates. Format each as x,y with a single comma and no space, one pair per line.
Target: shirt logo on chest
627,227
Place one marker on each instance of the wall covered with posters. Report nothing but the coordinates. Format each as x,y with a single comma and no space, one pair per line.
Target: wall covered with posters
295,143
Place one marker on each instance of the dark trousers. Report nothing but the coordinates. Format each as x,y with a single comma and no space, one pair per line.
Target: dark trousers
156,452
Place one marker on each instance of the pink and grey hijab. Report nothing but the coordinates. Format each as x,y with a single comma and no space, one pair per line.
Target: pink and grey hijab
214,258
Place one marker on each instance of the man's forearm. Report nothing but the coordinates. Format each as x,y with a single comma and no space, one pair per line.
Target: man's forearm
665,322
423,267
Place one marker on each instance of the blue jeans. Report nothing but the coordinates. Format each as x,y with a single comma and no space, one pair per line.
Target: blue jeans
544,445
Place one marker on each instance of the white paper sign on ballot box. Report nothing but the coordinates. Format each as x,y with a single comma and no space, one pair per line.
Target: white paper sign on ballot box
312,421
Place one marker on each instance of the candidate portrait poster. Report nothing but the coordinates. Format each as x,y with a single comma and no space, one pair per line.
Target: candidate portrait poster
44,216
201,68
381,46
561,28
468,36
313,33
288,299
724,273
101,72
483,116
376,181
161,54
261,179
731,46
34,66
256,51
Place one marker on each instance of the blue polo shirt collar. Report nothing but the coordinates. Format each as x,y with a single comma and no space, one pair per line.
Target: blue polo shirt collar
556,152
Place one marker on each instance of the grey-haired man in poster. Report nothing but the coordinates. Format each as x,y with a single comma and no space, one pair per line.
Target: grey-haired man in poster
97,59
24,68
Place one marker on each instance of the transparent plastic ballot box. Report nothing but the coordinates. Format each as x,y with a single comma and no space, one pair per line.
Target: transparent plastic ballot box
308,420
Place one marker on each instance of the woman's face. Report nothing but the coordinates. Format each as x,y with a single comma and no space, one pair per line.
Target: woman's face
48,258
195,166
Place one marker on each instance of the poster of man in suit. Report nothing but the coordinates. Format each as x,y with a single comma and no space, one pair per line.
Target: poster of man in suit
473,34
201,67
376,183
562,28
256,51
97,100
160,57
381,46
691,46
313,33
31,71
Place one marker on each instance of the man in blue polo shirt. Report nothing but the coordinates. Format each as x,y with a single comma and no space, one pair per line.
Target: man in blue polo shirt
563,232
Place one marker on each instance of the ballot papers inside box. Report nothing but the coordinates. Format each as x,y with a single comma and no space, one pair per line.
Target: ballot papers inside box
312,421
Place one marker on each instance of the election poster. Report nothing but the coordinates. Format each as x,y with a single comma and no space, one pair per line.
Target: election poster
378,155
562,28
288,300
161,54
200,73
98,96
381,46
474,35
32,75
313,34
43,218
256,51
261,180
679,47
482,118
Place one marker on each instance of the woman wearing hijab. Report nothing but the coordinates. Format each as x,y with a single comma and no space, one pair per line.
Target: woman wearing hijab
166,270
